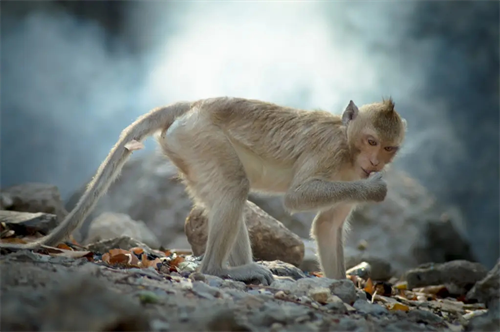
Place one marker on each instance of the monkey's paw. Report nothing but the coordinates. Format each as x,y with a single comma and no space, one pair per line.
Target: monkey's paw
249,272
379,187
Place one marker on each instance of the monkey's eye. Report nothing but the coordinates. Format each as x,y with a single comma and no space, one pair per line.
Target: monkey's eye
372,142
389,148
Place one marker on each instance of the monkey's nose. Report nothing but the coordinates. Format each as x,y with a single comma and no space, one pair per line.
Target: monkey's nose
374,162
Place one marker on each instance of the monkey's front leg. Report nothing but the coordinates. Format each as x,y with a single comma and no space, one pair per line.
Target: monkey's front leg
318,194
327,230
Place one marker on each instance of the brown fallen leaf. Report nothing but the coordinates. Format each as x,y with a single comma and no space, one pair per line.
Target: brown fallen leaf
134,145
63,246
124,259
403,285
176,261
397,306
137,250
317,274
369,287
148,263
13,240
114,252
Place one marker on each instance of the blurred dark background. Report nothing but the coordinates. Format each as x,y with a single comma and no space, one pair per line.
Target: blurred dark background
75,73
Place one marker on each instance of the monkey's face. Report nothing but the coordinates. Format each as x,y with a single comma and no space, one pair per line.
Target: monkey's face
373,152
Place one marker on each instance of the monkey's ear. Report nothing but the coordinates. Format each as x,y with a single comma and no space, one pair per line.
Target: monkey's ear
350,113
405,124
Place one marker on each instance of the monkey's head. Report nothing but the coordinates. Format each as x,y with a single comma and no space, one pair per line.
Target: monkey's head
375,133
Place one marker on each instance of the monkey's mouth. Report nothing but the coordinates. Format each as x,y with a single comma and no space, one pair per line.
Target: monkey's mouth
367,174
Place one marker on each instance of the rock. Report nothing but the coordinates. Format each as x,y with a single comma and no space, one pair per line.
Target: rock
35,197
458,276
424,316
487,290
368,308
362,270
487,322
123,242
270,240
380,269
310,262
111,225
344,288
93,305
321,295
336,305
26,222
283,269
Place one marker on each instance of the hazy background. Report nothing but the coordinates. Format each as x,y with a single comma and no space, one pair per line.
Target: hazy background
74,74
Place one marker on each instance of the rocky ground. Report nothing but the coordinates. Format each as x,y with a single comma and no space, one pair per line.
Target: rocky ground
410,267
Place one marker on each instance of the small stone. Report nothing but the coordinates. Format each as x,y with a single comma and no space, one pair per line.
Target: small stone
369,308
197,276
342,288
321,295
276,326
337,305
424,316
362,270
280,295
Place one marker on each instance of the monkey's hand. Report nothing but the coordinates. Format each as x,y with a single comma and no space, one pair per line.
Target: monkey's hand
378,187
246,273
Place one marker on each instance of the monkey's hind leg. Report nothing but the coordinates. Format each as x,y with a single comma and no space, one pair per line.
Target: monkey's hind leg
216,179
242,250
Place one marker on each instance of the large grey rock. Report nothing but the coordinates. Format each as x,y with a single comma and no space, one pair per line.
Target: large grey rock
34,197
111,225
270,240
487,290
22,222
459,276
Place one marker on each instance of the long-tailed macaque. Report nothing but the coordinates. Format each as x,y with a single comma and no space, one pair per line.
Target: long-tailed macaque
226,147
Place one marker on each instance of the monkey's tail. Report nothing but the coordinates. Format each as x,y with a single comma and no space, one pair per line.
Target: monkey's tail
146,125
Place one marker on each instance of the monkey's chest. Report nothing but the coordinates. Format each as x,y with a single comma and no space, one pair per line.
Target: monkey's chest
264,175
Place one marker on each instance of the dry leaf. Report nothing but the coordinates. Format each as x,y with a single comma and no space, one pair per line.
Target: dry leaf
398,306
63,246
134,145
401,285
317,274
72,253
13,240
137,250
154,263
369,287
114,252
120,259
176,261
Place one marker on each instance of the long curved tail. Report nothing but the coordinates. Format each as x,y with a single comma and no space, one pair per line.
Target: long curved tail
146,125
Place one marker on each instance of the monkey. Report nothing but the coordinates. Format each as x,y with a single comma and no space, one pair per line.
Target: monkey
226,147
